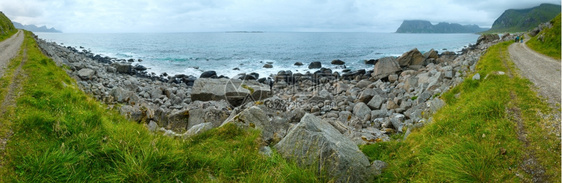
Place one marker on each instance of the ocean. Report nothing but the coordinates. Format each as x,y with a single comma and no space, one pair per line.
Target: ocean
194,53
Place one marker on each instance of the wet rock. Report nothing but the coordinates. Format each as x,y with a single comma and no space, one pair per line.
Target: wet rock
267,66
299,63
315,65
337,62
208,74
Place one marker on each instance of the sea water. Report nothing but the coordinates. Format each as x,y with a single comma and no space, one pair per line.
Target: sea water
194,53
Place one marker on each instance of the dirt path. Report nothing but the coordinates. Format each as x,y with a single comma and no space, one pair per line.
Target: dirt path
541,70
9,48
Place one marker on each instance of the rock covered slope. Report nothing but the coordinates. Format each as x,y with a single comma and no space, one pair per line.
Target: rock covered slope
343,111
423,26
520,20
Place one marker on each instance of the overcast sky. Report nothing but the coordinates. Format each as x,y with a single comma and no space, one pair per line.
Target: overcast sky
252,15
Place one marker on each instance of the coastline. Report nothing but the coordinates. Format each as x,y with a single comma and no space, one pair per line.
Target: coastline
364,106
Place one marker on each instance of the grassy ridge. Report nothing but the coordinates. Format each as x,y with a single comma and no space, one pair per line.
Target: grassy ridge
473,138
62,135
7,28
550,45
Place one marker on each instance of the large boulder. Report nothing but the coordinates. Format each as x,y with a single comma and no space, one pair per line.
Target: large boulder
338,62
384,67
86,74
315,65
314,142
431,54
362,111
254,117
486,38
124,68
208,74
412,57
235,92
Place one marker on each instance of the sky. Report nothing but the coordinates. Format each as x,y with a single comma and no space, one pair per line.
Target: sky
85,16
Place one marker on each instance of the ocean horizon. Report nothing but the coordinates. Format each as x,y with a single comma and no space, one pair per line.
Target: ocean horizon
194,53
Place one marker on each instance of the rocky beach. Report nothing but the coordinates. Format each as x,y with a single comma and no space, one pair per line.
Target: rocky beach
301,115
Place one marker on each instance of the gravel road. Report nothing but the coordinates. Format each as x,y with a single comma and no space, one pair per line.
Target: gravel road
541,70
9,49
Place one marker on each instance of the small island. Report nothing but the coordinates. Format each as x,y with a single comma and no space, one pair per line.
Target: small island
424,26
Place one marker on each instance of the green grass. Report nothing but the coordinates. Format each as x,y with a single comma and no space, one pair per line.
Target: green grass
550,45
464,141
7,29
62,135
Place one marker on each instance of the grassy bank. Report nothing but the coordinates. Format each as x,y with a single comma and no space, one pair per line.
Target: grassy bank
550,44
62,135
474,138
7,28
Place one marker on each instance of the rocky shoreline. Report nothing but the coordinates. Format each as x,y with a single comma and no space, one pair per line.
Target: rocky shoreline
299,112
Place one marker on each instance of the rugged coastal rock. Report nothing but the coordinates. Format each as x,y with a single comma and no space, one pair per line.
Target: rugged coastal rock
335,110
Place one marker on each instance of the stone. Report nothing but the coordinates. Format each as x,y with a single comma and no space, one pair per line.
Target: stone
299,63
375,102
411,82
198,129
86,74
123,96
267,66
208,74
392,78
378,114
371,62
254,117
397,121
177,121
234,91
124,68
449,74
362,111
132,112
152,126
412,57
486,38
476,76
338,62
385,67
363,83
431,54
366,95
315,65
315,142
436,104
391,105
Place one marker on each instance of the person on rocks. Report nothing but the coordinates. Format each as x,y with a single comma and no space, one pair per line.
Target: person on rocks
517,39
270,83
523,36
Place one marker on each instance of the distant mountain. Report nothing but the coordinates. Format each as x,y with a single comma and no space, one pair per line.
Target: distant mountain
34,28
423,26
524,19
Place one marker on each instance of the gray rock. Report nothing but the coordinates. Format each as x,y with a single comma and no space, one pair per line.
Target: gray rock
363,83
366,95
177,121
392,78
431,54
314,142
234,91
267,66
378,114
132,112
86,74
315,65
254,117
411,82
124,68
197,129
397,122
375,102
152,126
412,57
338,62
449,74
362,111
385,67
476,76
